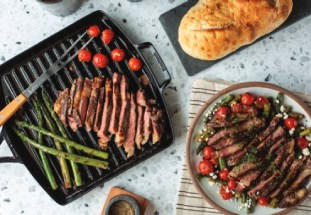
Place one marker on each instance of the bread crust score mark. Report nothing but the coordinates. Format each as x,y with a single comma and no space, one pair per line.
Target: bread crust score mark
213,29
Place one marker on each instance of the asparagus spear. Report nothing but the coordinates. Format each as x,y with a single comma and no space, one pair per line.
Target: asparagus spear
71,143
305,132
222,163
73,157
74,166
227,100
44,159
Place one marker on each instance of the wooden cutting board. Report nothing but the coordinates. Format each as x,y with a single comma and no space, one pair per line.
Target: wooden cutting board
171,19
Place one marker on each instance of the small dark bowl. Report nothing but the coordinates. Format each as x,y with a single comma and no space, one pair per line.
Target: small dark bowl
126,198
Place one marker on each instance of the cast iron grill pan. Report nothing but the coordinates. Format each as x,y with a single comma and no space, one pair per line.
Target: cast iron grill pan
19,72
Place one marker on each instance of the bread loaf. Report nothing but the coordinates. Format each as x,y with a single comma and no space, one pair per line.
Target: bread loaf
213,29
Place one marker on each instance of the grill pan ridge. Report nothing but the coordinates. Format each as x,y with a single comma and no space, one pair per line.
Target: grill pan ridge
19,72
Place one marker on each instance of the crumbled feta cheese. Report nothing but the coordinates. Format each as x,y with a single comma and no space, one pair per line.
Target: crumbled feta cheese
291,131
302,127
211,174
232,191
216,171
285,117
257,193
282,108
308,138
300,157
227,190
279,115
214,176
211,183
306,152
309,144
240,207
277,101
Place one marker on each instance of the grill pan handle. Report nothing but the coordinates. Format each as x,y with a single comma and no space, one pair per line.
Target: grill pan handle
155,53
14,158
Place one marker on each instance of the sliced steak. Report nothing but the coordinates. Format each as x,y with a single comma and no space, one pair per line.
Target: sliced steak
58,103
157,125
276,145
247,180
124,113
294,168
303,176
140,126
71,97
278,133
293,199
248,126
141,98
129,144
116,101
74,118
91,111
271,127
263,185
147,126
99,109
242,168
224,142
103,131
233,120
85,98
229,150
64,107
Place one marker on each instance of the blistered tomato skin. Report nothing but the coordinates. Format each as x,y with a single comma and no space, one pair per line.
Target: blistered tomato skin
302,143
93,31
261,101
222,113
208,152
100,60
135,64
291,123
117,54
223,174
107,36
232,184
84,55
247,99
205,167
262,201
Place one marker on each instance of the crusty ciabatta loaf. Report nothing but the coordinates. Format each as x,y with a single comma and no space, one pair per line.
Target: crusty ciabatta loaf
213,29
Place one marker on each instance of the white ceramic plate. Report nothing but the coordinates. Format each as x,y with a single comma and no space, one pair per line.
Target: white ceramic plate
210,193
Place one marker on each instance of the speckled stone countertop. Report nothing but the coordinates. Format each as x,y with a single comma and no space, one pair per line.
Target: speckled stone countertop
283,58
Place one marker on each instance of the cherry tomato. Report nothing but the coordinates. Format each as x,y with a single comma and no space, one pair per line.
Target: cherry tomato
84,55
222,113
214,161
261,101
223,174
117,54
291,123
247,99
135,64
107,36
302,143
93,31
250,109
237,108
205,167
208,152
263,201
100,60
226,196
232,184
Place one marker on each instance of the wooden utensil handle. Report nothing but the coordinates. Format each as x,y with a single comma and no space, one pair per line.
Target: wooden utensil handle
11,108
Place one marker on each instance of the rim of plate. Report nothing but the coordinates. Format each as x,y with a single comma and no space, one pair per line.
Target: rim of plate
206,105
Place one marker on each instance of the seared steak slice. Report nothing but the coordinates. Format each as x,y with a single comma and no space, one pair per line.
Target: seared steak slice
247,179
271,127
157,125
242,168
147,126
58,103
236,158
224,142
124,114
233,120
264,186
294,168
91,111
278,133
248,126
64,107
103,131
129,144
272,184
303,176
99,109
276,145
293,199
71,97
85,98
140,126
287,162
141,98
116,101
229,150
74,118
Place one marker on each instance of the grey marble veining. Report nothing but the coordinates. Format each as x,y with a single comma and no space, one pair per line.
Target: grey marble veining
283,58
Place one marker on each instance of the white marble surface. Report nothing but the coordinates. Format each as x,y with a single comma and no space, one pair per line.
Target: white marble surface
283,59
